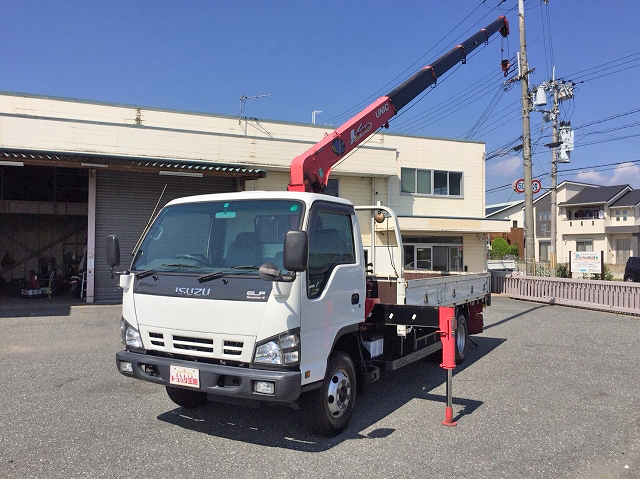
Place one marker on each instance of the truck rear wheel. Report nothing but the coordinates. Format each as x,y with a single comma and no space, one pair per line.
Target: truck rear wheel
462,341
329,408
186,398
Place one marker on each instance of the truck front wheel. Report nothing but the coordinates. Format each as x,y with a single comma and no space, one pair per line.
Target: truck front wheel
329,408
461,338
187,399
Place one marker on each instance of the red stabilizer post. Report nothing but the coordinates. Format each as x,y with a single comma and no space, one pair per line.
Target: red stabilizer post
447,318
448,417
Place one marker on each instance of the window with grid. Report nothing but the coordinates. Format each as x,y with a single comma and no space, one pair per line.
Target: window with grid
430,182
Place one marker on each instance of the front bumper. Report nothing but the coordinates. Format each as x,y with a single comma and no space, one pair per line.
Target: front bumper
215,379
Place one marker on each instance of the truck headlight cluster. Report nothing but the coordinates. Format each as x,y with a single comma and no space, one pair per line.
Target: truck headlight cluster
129,335
283,349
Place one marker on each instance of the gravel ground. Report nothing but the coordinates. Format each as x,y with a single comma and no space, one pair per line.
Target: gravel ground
549,392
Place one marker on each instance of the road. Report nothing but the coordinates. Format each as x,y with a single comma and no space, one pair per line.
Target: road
550,392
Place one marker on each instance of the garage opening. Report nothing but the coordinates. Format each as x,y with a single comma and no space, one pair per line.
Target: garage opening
43,228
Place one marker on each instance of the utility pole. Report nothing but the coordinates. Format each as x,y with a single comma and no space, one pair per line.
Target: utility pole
554,181
561,91
526,146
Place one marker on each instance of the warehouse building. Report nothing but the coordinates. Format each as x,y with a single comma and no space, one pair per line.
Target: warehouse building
73,172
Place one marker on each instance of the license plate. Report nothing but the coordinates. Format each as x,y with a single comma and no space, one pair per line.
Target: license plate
182,376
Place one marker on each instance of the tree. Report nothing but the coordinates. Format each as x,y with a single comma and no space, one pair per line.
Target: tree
499,248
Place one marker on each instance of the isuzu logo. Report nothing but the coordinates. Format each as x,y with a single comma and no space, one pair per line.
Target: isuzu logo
184,291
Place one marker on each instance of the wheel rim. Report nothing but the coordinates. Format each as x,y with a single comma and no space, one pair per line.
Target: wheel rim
461,338
338,394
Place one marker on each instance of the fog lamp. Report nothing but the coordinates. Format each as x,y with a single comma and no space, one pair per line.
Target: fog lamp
126,367
264,387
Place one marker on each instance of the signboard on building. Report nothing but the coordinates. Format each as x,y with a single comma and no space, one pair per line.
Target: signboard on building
586,262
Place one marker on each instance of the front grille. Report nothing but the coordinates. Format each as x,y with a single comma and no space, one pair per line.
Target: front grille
193,340
192,344
234,348
191,347
157,339
186,343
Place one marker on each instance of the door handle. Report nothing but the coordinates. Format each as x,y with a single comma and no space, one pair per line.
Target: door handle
355,298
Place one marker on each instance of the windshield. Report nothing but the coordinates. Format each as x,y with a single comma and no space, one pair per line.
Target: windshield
202,238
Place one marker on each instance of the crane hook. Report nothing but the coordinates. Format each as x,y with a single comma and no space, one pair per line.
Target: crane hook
504,66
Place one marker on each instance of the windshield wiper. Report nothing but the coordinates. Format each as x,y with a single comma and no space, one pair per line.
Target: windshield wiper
218,274
149,272
182,265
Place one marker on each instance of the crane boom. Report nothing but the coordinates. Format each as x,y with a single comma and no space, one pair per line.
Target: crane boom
310,171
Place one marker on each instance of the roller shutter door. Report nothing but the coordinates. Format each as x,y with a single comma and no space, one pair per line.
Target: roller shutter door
124,203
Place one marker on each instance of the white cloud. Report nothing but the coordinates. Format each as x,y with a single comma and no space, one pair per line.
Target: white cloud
506,167
625,173
591,176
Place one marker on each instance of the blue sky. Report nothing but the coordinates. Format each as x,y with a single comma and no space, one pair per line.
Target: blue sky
337,57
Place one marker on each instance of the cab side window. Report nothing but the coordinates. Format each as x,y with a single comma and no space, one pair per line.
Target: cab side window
330,244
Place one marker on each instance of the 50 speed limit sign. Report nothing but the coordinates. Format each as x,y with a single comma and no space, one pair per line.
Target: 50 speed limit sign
518,186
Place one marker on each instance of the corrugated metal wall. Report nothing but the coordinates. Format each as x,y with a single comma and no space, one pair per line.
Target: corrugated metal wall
124,203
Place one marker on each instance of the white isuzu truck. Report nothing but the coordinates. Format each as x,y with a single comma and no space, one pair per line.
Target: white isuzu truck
272,296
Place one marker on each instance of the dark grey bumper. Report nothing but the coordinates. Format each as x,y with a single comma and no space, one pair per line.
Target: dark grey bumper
216,379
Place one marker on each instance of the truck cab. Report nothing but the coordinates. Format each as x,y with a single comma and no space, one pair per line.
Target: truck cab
242,295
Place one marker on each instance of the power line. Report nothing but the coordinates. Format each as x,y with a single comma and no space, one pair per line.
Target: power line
603,64
358,106
612,117
449,106
500,151
571,171
609,73
351,111
486,113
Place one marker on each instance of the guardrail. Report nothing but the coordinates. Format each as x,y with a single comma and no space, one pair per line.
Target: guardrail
498,281
602,295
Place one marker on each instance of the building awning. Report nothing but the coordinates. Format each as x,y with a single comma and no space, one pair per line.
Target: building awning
449,225
168,166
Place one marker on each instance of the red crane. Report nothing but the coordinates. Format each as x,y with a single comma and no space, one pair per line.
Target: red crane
310,171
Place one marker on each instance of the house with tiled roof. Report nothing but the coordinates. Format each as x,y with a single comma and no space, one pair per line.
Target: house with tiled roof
590,218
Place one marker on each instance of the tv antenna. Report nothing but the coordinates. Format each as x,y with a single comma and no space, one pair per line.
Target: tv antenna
244,98
243,106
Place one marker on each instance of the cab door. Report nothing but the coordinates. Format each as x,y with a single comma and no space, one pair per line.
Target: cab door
333,299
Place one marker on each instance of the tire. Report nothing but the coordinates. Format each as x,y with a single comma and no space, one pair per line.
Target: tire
187,399
329,408
462,339
629,279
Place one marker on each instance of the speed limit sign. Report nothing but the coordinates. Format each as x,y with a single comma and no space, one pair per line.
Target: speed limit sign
518,186
536,186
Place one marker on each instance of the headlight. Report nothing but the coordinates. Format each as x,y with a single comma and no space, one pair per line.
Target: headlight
129,335
268,353
283,349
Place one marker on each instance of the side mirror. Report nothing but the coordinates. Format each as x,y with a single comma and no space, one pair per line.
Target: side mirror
296,251
113,252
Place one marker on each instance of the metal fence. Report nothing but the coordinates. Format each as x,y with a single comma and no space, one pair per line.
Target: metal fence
602,295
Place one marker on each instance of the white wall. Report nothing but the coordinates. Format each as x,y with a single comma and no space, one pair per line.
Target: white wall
370,174
438,154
